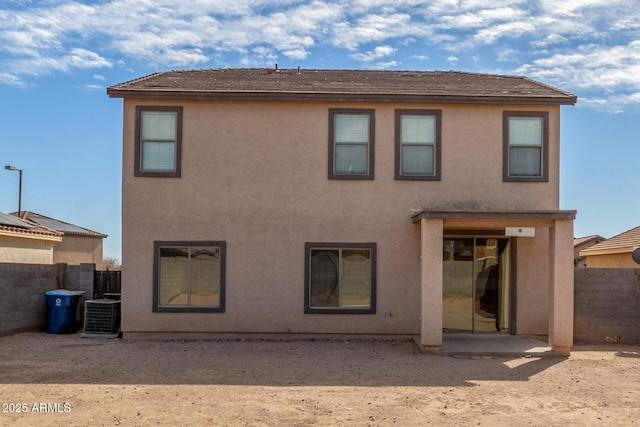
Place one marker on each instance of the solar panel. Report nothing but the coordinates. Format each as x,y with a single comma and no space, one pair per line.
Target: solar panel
6,219
59,225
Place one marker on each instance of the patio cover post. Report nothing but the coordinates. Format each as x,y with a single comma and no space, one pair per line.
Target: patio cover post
431,284
561,286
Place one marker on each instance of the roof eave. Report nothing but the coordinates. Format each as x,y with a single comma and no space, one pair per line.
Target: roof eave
114,92
32,235
532,215
609,251
96,235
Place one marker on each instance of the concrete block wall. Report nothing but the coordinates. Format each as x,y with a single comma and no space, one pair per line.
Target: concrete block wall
607,305
22,301
23,305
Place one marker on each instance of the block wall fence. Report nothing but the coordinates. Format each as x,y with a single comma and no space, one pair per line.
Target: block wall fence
607,305
23,305
606,300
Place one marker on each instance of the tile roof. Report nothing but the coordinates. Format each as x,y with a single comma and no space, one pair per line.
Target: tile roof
341,85
623,242
13,221
64,228
580,240
10,225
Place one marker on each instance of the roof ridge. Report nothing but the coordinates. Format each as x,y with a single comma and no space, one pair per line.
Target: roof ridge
29,214
471,73
317,84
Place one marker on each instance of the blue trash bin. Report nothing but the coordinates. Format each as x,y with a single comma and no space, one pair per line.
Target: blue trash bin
62,309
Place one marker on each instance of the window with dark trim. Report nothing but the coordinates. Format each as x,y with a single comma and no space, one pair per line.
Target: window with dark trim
189,276
351,143
526,146
158,141
417,144
340,278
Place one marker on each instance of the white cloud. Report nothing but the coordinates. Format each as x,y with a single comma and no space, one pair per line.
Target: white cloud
37,38
75,59
511,30
549,40
12,80
376,27
93,87
259,56
591,66
605,78
82,58
612,104
384,65
507,54
373,55
482,17
573,7
299,54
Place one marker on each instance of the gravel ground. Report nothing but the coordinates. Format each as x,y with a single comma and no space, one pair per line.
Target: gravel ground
53,380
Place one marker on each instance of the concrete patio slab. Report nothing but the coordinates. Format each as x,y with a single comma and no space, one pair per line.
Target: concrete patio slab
493,345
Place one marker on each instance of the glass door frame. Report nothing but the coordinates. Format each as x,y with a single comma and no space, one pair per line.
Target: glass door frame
488,234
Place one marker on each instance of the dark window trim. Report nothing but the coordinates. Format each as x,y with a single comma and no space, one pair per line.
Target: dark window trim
137,169
437,148
544,177
371,150
188,243
372,247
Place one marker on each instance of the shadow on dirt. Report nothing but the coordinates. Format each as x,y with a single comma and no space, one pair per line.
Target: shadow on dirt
64,359
634,354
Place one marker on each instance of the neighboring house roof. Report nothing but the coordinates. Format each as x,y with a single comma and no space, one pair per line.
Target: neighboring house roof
341,85
582,241
14,227
622,243
64,228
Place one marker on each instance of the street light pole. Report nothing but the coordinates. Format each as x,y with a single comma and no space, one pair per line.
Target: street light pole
13,168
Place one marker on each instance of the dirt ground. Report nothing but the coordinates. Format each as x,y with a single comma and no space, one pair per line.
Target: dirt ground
53,380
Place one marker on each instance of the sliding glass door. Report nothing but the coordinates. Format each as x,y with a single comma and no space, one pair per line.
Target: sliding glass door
476,285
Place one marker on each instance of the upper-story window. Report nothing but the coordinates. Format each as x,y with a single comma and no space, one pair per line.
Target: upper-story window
526,146
417,135
351,144
158,141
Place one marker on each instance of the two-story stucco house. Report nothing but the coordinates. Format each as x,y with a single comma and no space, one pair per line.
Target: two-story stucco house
344,202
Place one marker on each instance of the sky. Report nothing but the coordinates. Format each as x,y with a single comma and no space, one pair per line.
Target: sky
57,57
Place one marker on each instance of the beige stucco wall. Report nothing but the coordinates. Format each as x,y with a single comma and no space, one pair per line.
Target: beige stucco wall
75,250
532,273
26,250
255,175
620,260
